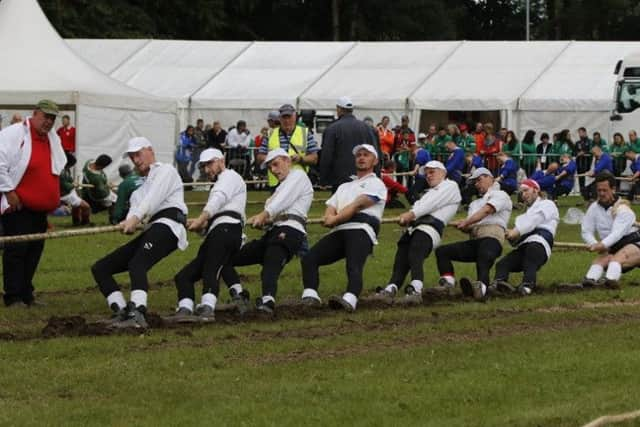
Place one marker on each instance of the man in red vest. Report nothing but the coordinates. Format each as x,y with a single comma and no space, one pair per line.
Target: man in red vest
31,160
67,134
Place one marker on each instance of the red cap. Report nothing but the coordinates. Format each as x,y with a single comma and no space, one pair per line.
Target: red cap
530,183
463,127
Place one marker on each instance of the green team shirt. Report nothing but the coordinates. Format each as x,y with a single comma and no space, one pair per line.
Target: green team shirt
635,145
99,181
125,189
514,154
468,143
529,149
66,182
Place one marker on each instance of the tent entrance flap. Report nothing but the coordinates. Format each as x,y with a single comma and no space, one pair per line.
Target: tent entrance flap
442,118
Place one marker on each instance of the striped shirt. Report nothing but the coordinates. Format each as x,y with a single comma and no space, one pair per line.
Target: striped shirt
312,144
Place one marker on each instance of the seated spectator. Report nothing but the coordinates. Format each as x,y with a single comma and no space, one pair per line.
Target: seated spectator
455,162
393,186
420,158
99,195
237,155
217,136
603,163
508,174
130,183
565,177
546,179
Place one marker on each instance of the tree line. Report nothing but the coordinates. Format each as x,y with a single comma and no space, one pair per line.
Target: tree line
365,20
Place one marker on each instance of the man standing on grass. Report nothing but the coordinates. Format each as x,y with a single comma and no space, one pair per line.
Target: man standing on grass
614,221
486,223
532,236
353,213
160,197
31,160
285,218
221,221
425,222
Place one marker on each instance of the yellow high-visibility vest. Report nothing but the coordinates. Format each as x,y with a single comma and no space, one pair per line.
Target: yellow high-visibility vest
298,140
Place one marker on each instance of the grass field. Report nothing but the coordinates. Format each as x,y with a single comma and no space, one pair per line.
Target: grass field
553,359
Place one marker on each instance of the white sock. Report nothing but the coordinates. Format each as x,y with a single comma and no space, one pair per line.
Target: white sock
186,303
139,298
310,293
237,288
417,285
267,298
351,299
595,272
391,288
210,299
614,271
116,298
450,280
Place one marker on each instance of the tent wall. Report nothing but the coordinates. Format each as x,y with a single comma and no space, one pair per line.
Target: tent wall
106,54
555,121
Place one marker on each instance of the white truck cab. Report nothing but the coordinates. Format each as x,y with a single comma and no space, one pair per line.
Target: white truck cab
627,94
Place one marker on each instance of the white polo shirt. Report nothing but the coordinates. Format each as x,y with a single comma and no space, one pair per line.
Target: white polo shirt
610,228
541,214
293,196
347,193
500,201
229,193
441,202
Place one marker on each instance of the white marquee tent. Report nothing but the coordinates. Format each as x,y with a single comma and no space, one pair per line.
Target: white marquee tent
39,64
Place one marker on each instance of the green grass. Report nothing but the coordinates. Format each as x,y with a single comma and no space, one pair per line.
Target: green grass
549,360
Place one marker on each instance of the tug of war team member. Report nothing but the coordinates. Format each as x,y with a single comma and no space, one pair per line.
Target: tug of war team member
353,213
221,220
486,223
31,160
100,196
160,197
614,221
532,236
285,217
426,222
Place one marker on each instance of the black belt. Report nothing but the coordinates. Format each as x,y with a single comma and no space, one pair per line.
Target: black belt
542,232
173,214
231,214
430,221
626,240
286,217
367,219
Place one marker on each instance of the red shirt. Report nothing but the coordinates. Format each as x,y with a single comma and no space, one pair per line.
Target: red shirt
68,138
39,189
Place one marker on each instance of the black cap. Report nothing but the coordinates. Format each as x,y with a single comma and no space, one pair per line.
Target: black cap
103,161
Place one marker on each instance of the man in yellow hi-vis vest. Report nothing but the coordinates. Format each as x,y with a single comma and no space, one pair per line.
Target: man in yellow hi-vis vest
295,139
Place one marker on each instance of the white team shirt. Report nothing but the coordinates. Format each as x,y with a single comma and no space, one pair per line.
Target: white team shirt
440,202
500,201
229,193
293,196
348,192
161,189
235,139
610,229
541,214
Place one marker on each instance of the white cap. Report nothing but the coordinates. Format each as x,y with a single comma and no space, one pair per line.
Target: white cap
278,152
345,102
422,135
136,144
210,154
479,172
434,164
367,147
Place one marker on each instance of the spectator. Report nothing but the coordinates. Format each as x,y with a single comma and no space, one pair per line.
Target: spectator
184,153
544,151
478,135
261,138
432,132
467,141
67,134
529,159
634,142
617,150
565,177
502,134
422,140
420,157
597,140
439,146
472,162
404,135
508,174
454,133
562,145
393,186
80,209
372,131
491,145
634,158
455,162
512,147
130,183
581,151
603,163
216,137
200,144
238,141
16,118
386,137
99,196
546,179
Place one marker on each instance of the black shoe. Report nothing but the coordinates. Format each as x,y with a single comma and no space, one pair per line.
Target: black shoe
480,291
412,296
134,318
466,287
504,286
589,283
265,307
182,315
336,302
611,284
205,313
241,300
311,302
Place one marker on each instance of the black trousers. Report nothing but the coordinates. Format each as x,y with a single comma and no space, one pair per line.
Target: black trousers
137,257
527,258
483,252
560,190
410,255
353,245
217,250
20,260
416,190
467,192
273,250
509,189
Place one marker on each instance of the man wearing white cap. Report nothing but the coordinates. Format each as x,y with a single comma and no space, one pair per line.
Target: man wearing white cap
425,224
221,221
161,198
285,217
532,236
486,224
353,213
338,141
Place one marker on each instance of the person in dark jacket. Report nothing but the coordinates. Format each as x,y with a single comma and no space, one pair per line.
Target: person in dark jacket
337,163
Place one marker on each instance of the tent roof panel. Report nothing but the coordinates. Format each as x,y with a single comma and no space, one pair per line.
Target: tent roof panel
106,54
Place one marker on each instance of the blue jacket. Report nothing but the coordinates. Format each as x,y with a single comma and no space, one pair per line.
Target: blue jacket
476,161
422,158
455,164
546,182
604,163
570,168
509,173
635,165
183,153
